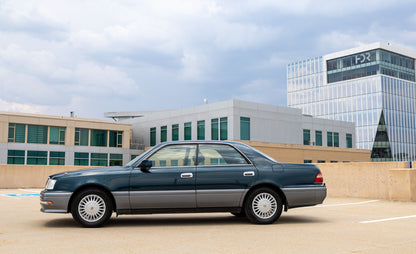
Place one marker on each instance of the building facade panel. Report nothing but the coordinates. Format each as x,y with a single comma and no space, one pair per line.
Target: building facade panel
30,139
362,85
227,120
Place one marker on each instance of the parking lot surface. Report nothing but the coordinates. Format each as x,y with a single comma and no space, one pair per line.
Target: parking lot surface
340,225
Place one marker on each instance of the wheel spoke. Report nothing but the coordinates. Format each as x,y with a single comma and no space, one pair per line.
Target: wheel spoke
92,208
264,205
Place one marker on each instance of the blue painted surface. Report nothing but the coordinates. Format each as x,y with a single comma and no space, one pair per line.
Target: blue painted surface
21,195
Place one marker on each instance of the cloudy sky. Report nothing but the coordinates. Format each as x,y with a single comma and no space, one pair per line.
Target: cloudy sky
102,56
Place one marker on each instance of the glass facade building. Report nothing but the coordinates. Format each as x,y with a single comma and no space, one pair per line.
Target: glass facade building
373,86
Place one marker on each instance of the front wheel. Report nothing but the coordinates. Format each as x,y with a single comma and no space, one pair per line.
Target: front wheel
91,208
263,206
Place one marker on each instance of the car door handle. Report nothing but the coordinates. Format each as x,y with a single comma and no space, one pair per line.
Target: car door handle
187,175
248,173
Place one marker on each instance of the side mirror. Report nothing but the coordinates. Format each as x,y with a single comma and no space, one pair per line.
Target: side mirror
145,165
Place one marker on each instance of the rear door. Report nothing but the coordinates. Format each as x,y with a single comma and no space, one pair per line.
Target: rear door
223,176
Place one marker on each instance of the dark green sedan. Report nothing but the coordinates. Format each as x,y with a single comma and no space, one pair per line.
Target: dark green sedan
180,177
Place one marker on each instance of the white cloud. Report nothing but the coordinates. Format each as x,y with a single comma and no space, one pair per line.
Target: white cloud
21,107
261,90
93,56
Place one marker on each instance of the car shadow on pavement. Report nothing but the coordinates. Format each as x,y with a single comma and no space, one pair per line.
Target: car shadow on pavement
137,220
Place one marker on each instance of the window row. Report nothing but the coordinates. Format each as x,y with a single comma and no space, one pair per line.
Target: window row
40,134
382,57
23,157
332,138
36,134
103,138
219,130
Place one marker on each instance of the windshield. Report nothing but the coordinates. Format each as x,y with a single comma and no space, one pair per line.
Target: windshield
141,156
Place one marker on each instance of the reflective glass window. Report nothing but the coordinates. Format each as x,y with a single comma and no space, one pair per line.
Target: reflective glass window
16,157
224,128
57,135
81,159
219,154
56,158
116,160
37,157
175,132
81,136
37,134
163,133
188,131
244,128
306,137
152,136
17,133
98,138
214,129
99,159
201,130
174,155
116,139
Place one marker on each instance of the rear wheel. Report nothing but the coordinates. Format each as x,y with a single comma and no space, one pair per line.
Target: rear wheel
91,208
263,206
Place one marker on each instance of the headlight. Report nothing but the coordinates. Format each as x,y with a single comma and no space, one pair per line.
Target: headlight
50,184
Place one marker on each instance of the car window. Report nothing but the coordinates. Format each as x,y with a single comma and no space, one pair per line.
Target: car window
174,155
219,155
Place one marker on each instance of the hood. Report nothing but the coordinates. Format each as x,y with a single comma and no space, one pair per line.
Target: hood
87,171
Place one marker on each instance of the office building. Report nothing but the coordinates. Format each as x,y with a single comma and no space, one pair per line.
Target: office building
31,139
372,86
245,121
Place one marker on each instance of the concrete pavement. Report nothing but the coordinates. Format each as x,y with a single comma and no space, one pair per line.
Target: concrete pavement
340,225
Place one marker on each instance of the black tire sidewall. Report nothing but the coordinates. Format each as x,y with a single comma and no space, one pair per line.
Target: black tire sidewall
79,196
249,209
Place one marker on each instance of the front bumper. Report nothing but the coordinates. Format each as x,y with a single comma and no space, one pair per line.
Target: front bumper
54,202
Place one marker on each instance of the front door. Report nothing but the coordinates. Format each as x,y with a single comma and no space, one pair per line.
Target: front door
169,183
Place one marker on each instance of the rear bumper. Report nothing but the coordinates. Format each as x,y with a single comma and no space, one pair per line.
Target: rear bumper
305,196
54,202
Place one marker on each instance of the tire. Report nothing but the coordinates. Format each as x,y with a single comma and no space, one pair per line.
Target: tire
263,206
91,208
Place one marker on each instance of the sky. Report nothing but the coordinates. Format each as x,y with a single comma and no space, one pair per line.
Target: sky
92,57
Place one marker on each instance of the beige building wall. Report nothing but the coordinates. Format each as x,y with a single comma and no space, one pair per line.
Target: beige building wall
62,121
300,153
70,124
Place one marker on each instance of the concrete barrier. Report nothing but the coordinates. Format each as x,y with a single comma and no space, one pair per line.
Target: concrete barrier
29,176
378,180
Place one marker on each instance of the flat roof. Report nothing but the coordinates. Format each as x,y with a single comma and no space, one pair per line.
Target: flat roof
54,117
378,45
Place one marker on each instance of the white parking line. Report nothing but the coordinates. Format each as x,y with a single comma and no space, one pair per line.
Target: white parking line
345,204
30,190
388,219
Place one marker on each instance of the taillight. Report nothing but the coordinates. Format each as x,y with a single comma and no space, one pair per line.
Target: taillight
319,178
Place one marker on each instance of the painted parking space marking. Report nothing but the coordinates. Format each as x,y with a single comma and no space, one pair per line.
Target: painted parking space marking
346,204
29,190
342,204
388,219
20,195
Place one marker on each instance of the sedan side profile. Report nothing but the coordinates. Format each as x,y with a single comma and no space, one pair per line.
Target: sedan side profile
181,177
